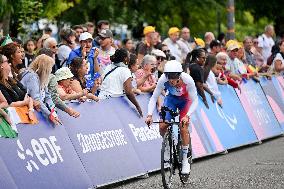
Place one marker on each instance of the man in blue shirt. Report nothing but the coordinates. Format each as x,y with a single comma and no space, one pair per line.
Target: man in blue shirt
87,52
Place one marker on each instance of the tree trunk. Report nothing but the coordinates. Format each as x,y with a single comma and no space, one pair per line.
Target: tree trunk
6,23
230,19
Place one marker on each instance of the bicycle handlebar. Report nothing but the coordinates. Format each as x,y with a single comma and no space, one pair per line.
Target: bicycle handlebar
165,109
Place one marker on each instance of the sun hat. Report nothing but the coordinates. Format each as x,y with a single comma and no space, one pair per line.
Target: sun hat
85,36
63,73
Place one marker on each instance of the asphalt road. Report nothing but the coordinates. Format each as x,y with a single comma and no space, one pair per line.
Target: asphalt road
253,166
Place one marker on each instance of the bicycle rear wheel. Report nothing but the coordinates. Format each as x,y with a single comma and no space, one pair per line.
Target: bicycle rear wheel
167,161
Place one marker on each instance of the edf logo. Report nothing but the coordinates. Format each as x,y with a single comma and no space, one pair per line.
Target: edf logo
46,151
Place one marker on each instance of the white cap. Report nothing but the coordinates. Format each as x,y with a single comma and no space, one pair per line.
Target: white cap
173,66
63,73
85,36
158,52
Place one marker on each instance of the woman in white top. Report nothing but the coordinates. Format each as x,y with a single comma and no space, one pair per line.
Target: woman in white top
117,79
277,65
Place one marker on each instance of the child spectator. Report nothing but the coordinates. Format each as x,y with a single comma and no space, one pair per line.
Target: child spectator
210,69
29,47
134,66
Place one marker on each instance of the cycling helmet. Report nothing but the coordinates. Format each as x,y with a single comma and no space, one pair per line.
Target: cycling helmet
173,69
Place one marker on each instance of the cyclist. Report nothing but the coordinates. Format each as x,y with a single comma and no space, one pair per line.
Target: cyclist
182,94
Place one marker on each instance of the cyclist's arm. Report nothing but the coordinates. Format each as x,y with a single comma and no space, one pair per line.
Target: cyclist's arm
192,93
157,92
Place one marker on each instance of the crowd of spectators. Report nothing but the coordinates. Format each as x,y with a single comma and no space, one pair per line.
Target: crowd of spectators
87,65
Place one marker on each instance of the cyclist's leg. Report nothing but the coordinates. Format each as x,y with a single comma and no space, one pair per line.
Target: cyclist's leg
185,135
184,104
169,102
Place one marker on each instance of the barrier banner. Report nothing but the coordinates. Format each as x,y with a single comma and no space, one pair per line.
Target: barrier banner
146,141
228,125
43,157
275,100
102,143
258,110
279,85
6,180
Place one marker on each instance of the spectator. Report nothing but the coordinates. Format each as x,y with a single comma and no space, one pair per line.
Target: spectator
117,79
41,40
35,80
199,43
146,46
265,42
248,54
12,89
278,62
101,25
90,28
53,86
195,61
29,47
167,52
13,52
234,67
105,50
64,78
215,47
51,43
222,39
210,69
161,57
184,41
128,44
68,37
133,66
78,31
86,52
79,69
208,38
259,59
149,65
221,62
4,104
173,44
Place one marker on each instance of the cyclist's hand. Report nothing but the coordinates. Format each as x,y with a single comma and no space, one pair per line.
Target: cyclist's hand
213,98
185,120
206,104
149,120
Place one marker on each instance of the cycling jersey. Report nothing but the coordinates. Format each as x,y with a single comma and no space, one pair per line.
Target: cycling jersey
184,98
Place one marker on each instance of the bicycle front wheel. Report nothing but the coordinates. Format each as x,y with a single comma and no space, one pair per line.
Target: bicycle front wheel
167,161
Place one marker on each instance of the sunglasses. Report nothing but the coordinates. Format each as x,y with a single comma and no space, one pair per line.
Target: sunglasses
166,51
160,58
103,38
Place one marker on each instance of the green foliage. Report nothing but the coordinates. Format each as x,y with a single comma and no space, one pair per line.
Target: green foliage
200,16
28,11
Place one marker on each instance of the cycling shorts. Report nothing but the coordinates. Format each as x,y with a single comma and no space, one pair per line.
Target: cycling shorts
176,102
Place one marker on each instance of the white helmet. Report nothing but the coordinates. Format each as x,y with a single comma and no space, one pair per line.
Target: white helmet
173,66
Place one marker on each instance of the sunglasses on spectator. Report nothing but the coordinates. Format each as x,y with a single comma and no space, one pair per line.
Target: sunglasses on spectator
55,46
160,58
255,42
166,51
103,38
